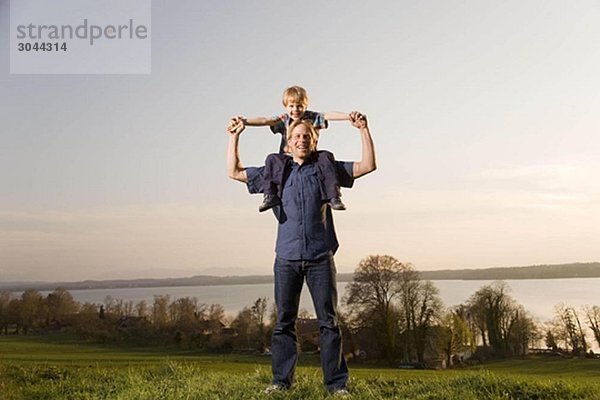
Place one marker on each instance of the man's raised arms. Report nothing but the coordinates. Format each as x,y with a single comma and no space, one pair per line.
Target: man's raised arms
367,163
235,169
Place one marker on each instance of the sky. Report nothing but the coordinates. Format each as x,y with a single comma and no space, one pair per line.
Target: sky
484,116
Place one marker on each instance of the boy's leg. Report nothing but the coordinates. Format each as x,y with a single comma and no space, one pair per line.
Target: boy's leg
273,173
330,186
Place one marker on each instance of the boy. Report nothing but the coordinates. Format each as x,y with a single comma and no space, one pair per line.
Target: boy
295,101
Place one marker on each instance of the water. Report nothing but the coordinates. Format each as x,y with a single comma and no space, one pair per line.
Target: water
538,296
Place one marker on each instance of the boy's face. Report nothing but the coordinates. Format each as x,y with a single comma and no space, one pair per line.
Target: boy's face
295,110
300,142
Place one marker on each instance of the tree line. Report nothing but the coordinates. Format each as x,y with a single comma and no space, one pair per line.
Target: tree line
404,314
165,321
389,313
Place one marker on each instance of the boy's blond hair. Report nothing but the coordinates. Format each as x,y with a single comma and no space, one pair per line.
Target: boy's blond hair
311,129
296,94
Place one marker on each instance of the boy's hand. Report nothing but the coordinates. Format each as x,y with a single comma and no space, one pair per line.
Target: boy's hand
236,125
358,120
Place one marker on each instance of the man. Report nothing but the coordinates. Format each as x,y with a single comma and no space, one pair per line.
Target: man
306,243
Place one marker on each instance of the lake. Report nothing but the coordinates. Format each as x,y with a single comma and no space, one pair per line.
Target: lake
538,296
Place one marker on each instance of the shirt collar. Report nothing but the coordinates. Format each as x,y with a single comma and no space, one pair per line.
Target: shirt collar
310,160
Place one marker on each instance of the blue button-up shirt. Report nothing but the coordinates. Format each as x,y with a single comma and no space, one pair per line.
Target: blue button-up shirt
305,230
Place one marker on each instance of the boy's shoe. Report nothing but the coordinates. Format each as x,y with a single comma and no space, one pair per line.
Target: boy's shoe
342,393
336,204
270,201
274,388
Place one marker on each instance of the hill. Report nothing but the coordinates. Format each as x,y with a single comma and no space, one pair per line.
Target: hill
559,271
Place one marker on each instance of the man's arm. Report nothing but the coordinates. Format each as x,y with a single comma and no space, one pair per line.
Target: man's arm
260,121
235,169
336,116
367,164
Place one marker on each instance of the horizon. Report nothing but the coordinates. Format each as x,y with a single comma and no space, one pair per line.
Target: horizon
483,117
200,274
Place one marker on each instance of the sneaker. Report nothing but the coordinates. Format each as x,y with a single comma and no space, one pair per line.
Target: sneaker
269,201
342,393
336,204
274,388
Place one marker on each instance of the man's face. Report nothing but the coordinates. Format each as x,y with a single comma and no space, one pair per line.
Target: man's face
300,142
295,110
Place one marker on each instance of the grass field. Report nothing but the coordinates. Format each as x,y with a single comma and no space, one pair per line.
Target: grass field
56,368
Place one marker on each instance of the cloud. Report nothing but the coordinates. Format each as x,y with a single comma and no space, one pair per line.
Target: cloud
528,172
552,186
578,174
78,244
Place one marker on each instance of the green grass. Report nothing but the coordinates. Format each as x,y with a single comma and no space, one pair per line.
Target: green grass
583,370
56,368
60,351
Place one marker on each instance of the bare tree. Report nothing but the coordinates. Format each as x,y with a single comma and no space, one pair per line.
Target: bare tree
372,296
259,312
110,307
60,304
503,324
568,327
246,327
215,314
141,308
550,340
495,306
184,310
427,311
409,303
593,317
388,298
88,320
5,298
522,332
13,311
127,308
33,310
160,311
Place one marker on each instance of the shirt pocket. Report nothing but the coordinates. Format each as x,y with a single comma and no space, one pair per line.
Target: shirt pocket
312,184
288,183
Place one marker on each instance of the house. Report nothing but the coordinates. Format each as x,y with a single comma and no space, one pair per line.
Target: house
208,327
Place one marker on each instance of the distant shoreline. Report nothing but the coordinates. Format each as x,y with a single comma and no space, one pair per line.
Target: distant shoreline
559,271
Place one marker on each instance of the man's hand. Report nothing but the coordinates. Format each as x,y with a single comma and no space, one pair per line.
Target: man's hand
236,125
358,120
235,169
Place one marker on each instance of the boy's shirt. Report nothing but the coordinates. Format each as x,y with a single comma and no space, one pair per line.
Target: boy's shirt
284,120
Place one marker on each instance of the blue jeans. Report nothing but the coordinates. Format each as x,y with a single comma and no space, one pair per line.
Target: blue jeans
320,278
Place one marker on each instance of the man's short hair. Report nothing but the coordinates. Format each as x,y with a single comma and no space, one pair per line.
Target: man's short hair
295,94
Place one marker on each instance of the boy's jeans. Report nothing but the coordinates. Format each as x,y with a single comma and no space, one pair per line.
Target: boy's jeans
320,278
